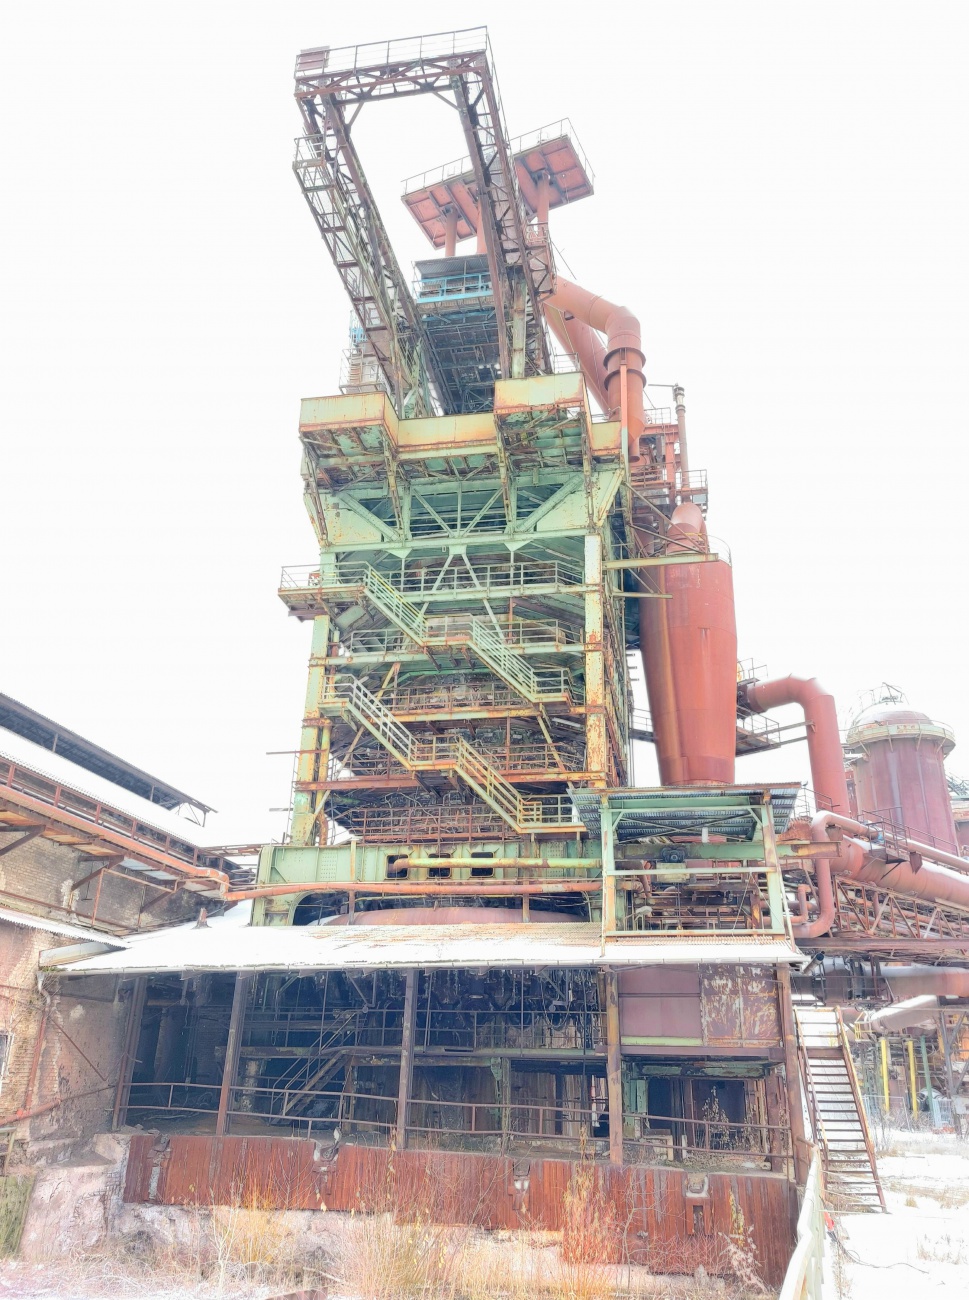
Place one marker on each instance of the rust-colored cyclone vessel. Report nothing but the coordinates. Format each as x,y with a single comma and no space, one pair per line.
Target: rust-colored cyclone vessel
898,756
689,649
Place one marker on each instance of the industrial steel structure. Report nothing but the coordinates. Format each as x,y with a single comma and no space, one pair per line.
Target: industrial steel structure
480,936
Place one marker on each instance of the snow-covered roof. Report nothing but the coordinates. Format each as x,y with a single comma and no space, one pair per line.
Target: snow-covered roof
24,752
79,933
233,947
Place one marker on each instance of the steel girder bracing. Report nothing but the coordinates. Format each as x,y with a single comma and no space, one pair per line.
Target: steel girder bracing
336,190
521,269
456,64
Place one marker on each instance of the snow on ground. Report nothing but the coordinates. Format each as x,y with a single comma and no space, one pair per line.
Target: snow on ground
921,1247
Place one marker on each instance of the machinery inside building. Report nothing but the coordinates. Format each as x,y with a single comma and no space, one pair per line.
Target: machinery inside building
480,935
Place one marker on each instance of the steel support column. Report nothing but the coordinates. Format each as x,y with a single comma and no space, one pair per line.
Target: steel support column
126,1066
408,1034
614,1067
595,675
314,741
792,1076
240,997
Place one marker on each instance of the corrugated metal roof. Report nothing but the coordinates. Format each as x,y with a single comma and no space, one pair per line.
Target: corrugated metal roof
27,722
77,932
655,812
345,947
63,772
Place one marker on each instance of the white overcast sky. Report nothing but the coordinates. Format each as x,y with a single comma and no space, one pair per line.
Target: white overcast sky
781,195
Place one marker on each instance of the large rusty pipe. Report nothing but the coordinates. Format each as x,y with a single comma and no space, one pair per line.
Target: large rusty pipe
851,857
450,214
900,1015
679,399
943,981
580,339
824,740
624,358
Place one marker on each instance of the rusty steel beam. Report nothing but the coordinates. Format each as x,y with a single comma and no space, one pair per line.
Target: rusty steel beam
24,839
407,1039
409,887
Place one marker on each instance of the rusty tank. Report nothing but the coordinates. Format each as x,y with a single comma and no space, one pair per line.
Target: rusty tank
897,757
689,647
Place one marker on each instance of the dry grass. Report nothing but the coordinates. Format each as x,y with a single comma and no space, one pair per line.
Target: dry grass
944,1249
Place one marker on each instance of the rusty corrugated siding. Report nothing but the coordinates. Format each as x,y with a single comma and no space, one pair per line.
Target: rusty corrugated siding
662,1225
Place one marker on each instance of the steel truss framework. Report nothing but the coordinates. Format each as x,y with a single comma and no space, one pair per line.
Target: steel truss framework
332,84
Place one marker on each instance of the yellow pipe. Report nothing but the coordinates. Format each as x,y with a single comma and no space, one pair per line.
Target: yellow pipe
884,1046
913,1076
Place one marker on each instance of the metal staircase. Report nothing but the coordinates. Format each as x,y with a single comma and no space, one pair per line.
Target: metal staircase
350,696
483,638
840,1126
290,1089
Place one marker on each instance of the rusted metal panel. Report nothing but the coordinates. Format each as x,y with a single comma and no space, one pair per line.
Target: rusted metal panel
739,1006
668,1219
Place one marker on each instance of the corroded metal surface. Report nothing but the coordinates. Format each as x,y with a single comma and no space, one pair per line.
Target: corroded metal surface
669,1219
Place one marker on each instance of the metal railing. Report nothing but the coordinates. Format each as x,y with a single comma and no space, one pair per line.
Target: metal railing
519,145
404,825
377,54
803,1279
538,757
451,288
23,780
454,752
548,636
471,1125
426,582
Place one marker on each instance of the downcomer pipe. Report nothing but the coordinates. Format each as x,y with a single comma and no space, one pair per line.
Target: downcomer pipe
623,355
851,857
823,738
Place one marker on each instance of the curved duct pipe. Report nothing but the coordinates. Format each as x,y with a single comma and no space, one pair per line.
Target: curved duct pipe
582,340
823,738
623,352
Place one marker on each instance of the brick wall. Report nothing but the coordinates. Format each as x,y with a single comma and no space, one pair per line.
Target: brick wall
80,1054
37,877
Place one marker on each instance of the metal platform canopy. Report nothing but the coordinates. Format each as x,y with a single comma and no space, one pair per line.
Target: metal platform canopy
549,159
33,726
690,859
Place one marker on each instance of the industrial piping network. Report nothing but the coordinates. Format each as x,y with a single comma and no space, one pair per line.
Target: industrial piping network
689,644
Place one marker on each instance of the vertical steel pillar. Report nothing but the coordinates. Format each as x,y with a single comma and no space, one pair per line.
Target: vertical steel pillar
792,1075
913,1076
126,1066
597,762
886,1096
614,1067
949,1081
407,1036
608,838
314,744
933,1104
240,997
